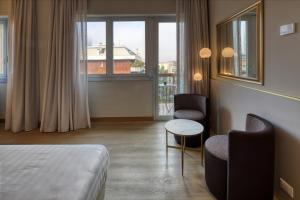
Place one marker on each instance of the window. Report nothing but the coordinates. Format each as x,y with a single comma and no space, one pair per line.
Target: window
242,64
129,47
3,50
167,71
117,48
244,49
96,50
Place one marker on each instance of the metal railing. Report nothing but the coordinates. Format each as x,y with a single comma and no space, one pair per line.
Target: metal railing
167,85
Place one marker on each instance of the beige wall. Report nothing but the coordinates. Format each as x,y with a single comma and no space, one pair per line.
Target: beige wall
231,102
107,98
120,7
4,7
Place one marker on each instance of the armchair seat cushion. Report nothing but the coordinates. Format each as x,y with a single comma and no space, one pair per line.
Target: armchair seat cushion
189,114
218,146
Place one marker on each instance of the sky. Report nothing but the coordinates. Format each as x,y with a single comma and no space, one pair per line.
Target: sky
167,42
132,35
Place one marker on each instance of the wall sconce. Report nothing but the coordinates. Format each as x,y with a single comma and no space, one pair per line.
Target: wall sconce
228,52
205,53
198,77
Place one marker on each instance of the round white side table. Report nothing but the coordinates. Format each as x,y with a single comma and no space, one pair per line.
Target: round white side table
183,128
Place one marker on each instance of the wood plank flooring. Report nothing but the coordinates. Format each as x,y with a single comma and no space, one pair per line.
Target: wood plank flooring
139,169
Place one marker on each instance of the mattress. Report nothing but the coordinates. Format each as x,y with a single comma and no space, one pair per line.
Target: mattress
52,172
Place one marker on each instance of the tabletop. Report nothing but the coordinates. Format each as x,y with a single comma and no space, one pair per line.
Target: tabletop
184,127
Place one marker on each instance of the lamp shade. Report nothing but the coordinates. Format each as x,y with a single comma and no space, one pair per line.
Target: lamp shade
205,53
198,77
228,52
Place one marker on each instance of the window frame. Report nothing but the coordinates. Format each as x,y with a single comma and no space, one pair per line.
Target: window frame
3,77
109,49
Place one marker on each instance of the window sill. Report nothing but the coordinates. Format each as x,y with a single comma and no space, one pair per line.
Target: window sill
95,78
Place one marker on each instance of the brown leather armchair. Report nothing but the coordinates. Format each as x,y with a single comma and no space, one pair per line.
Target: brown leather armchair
193,107
240,165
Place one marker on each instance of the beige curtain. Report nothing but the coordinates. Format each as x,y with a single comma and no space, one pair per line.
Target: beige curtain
22,104
193,35
65,105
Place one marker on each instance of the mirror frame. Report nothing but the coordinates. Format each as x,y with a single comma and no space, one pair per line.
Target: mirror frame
259,47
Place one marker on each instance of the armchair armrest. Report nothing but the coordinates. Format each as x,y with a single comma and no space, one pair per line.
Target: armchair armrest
250,165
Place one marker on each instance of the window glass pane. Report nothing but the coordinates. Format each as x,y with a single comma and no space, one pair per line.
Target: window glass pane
1,48
129,47
96,50
244,49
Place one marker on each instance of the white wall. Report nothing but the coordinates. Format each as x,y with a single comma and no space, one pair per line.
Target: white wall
120,99
231,100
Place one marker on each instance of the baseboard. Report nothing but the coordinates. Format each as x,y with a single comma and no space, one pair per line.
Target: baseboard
114,119
121,119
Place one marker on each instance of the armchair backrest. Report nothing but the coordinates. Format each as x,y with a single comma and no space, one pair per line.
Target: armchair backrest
191,102
251,160
257,124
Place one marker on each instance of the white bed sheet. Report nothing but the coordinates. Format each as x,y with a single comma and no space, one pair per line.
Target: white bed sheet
52,172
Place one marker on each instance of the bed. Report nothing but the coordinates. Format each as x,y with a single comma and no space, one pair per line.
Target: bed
53,172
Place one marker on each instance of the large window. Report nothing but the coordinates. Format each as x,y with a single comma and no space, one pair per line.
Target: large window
3,49
116,47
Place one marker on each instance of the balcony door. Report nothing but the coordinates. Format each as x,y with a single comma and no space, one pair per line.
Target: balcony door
166,74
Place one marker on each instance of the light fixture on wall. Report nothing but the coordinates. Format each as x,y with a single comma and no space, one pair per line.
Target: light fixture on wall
228,52
205,53
198,77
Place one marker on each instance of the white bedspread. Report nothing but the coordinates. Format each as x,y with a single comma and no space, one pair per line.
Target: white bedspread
52,172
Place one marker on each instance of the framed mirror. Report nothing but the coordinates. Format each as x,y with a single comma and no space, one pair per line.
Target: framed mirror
240,45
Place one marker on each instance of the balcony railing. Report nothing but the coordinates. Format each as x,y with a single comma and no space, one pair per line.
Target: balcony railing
166,90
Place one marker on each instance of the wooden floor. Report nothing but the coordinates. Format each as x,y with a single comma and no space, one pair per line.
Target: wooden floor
139,169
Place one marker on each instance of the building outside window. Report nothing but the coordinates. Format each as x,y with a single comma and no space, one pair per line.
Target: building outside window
3,50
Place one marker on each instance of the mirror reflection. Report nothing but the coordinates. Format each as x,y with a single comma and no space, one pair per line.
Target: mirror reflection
238,46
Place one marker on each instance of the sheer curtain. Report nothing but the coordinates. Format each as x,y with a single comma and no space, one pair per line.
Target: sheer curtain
22,103
65,104
193,35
